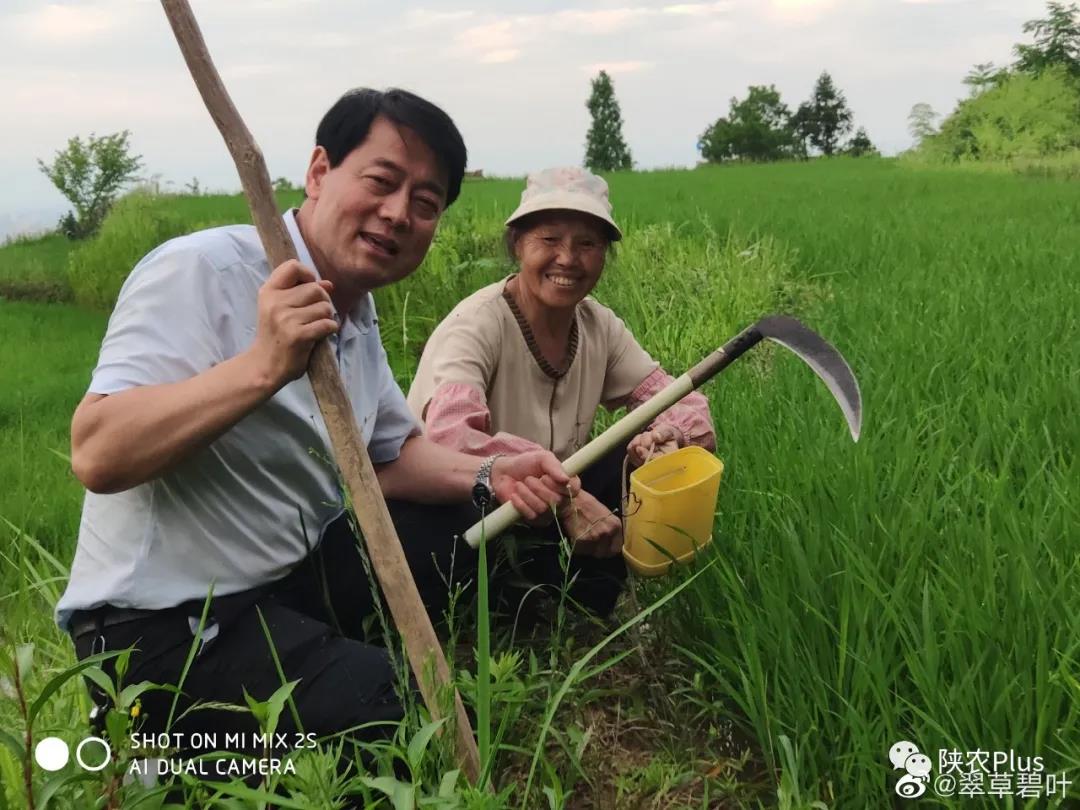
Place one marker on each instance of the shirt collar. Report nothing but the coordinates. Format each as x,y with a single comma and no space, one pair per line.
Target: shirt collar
362,316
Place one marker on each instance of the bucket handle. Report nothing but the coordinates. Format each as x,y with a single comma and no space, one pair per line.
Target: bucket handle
624,501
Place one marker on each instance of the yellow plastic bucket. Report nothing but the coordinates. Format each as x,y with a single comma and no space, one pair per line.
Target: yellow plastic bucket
670,509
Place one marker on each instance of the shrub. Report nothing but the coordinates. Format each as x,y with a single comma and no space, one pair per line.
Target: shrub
1023,117
90,174
861,145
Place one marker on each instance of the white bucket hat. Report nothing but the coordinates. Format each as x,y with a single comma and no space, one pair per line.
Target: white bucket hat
570,189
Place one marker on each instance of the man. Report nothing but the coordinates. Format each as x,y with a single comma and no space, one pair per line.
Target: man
207,460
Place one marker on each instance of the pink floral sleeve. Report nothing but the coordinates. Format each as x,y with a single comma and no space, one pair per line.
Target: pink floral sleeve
690,414
457,416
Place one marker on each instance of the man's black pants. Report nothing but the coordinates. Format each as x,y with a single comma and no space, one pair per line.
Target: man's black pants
316,619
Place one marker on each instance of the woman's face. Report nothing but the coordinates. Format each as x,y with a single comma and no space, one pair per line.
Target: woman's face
560,257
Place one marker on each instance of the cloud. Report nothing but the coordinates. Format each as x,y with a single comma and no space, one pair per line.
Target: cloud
697,9
601,21
616,67
497,38
62,25
89,97
322,40
480,41
422,17
499,57
249,71
799,11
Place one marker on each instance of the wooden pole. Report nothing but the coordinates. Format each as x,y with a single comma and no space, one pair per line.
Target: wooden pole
383,547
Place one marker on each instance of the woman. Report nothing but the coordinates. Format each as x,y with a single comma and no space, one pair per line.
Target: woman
525,363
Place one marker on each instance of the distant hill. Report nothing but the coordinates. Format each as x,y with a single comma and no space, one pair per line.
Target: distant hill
28,222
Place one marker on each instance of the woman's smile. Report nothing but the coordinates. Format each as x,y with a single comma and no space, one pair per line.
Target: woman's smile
562,280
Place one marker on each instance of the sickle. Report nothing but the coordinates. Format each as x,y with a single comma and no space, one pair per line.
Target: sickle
812,348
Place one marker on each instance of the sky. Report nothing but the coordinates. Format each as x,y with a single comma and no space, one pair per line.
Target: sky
513,75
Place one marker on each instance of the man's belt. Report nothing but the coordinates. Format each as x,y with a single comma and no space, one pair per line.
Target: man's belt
96,620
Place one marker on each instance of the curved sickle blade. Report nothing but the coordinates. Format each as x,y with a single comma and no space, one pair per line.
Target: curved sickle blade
823,358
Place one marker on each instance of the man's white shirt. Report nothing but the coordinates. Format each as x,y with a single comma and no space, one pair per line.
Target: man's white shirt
231,513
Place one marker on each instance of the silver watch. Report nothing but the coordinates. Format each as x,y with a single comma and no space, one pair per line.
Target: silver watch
482,493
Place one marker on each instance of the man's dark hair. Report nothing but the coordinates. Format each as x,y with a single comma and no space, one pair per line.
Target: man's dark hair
346,125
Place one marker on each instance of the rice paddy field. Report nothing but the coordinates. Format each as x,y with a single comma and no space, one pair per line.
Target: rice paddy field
921,585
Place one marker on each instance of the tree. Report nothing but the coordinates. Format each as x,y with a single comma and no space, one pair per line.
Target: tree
860,145
801,126
90,174
825,118
756,128
921,122
1057,41
605,149
716,142
984,76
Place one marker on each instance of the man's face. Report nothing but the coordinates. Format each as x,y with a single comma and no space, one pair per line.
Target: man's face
370,220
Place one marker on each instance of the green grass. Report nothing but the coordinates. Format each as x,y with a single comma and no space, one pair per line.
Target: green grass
53,268
50,350
920,585
35,267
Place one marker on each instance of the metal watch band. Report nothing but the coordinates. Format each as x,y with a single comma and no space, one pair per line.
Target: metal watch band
483,494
